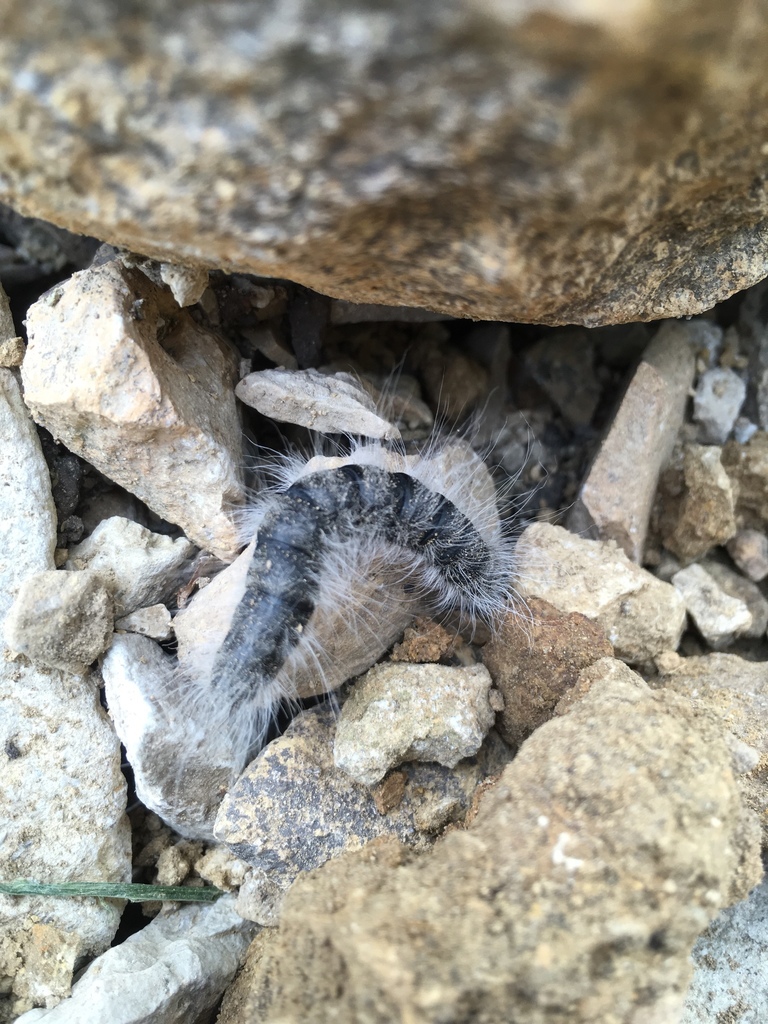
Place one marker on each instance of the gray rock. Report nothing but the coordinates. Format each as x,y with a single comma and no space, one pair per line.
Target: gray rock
615,500
719,617
62,802
182,764
749,550
407,712
455,156
730,976
143,393
7,328
641,615
719,397
61,619
140,567
563,365
173,971
292,809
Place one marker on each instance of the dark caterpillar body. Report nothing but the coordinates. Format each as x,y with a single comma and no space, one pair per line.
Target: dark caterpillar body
282,585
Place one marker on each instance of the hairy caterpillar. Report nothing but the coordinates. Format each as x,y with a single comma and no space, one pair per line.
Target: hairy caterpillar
345,551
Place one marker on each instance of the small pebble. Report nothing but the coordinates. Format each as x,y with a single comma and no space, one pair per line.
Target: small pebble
154,621
718,617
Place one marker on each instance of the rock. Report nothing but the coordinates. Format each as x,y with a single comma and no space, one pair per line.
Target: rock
12,352
735,691
744,430
61,620
380,171
266,341
139,566
719,397
483,926
187,284
718,617
563,365
143,393
734,585
640,615
180,770
425,641
408,712
173,970
534,659
615,500
366,312
62,802
330,404
749,550
292,809
752,326
697,503
154,621
747,468
7,327
729,965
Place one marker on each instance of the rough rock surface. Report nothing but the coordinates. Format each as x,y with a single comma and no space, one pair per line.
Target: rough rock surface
736,691
615,500
696,502
747,467
640,615
61,619
483,927
407,712
62,801
173,971
292,809
730,979
718,616
535,659
181,770
140,567
129,381
547,161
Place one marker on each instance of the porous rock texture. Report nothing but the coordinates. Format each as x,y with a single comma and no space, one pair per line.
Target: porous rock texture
120,373
62,799
576,893
553,161
640,615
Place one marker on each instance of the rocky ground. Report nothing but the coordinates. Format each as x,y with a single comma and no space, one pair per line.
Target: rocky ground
560,818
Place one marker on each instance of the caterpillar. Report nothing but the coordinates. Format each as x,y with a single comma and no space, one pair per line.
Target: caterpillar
343,553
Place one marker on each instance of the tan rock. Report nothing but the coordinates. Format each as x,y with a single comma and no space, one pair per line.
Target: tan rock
697,503
535,659
12,352
7,329
576,893
616,497
129,381
747,467
749,550
547,161
640,615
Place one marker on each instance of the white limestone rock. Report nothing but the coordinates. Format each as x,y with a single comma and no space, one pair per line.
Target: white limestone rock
140,567
62,801
154,621
174,971
719,617
182,769
128,380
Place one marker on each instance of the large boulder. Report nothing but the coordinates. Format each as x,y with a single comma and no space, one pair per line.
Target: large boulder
554,161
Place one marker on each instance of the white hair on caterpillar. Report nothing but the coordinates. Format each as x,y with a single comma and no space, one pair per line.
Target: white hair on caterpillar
351,570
